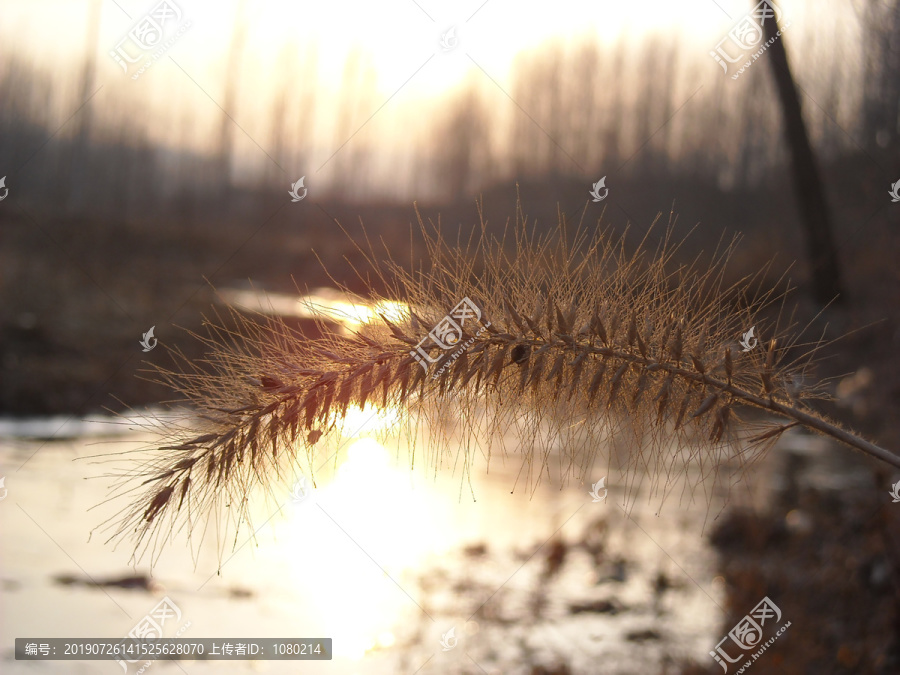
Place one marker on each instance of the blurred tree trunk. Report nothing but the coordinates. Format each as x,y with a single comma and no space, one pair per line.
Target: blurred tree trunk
822,254
232,89
881,78
79,162
462,145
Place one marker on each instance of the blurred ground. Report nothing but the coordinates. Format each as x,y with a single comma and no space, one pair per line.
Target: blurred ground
830,514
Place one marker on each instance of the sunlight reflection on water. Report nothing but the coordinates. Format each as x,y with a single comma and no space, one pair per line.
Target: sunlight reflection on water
381,558
323,303
371,506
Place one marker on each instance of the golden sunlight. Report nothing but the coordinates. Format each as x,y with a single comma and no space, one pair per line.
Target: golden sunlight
350,315
395,43
385,530
358,421
326,304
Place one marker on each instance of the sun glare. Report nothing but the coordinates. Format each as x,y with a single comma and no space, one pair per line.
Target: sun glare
350,315
358,422
377,529
325,304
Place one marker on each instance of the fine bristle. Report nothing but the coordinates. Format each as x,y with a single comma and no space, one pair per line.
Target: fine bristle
583,338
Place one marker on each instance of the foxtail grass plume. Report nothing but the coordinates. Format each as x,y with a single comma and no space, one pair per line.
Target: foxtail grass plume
583,349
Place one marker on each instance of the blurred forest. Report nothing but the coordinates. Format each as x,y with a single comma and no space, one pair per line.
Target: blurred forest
108,230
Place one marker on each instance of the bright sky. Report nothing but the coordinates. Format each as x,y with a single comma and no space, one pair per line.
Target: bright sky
396,37
397,42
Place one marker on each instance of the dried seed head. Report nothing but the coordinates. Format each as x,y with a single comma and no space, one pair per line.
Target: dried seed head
264,387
